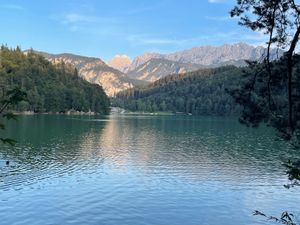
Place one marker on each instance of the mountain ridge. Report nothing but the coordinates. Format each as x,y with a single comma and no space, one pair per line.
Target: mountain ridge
95,71
208,55
195,58
152,66
157,68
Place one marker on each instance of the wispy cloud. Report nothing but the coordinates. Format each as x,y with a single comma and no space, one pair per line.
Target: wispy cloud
148,40
90,24
217,1
140,9
220,18
12,7
121,22
75,18
256,38
124,28
234,37
229,37
118,27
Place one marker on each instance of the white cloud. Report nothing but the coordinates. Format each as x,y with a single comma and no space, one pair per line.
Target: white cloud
12,7
165,45
234,37
73,18
220,18
217,1
228,37
90,24
147,40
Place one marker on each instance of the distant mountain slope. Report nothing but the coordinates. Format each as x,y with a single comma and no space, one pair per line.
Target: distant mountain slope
139,60
157,68
95,71
201,92
120,62
210,55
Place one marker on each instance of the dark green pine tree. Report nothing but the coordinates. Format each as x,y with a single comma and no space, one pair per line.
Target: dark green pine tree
270,92
50,88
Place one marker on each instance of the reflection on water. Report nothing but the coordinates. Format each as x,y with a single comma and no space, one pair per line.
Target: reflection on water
141,170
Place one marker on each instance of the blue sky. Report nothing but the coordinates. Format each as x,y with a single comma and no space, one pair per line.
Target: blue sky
105,28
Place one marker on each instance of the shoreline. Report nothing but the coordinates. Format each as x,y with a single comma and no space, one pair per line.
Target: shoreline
56,113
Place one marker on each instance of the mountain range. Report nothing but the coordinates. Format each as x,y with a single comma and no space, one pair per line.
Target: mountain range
210,55
152,66
120,73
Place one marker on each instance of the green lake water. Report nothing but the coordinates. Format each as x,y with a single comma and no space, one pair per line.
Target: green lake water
142,170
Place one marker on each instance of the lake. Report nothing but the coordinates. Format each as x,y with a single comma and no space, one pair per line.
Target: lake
142,170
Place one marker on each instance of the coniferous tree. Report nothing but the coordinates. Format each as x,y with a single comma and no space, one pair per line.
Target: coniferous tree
50,88
270,92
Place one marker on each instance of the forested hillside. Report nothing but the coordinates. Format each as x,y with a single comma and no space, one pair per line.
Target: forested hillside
50,88
202,92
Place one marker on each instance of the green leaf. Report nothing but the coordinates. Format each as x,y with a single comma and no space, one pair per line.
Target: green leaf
9,116
16,95
8,141
2,126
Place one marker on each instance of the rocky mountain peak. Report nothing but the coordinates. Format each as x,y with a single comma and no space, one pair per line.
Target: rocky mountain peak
120,62
139,60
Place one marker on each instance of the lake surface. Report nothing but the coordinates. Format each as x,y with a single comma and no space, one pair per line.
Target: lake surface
136,170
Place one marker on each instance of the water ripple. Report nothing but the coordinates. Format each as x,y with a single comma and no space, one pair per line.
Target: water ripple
141,170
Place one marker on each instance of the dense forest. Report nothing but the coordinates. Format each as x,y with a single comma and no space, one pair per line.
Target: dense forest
202,92
49,88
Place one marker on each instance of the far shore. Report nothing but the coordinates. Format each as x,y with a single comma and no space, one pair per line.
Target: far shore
55,113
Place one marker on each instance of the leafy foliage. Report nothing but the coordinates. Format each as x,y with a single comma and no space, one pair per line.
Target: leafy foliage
272,91
293,171
252,95
12,97
49,88
285,218
201,93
